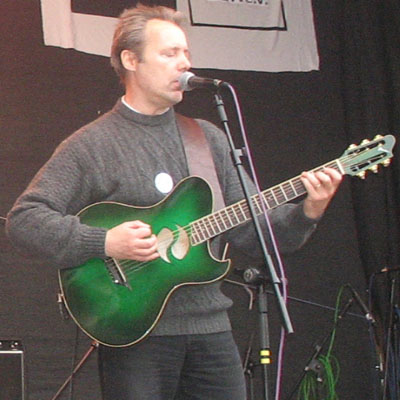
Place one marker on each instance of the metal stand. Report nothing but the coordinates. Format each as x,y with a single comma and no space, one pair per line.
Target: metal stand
265,348
392,350
313,364
256,281
94,345
386,335
269,267
75,369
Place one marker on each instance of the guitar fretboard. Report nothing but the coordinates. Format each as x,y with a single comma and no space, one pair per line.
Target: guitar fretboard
236,214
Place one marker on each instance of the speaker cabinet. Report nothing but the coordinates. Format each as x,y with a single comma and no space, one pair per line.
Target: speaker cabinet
11,370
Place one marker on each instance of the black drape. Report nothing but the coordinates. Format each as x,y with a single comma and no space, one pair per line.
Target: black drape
370,58
371,78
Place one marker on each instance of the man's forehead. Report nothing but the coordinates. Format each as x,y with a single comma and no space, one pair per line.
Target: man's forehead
161,28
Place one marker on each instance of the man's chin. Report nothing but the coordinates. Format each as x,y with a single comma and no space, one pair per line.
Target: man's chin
177,97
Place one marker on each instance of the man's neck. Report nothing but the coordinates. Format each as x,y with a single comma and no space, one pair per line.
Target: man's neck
128,101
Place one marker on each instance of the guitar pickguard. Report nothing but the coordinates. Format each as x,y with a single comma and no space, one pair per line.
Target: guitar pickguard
177,243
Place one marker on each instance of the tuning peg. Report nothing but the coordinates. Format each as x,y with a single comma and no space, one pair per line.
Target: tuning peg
365,141
386,162
361,174
378,137
374,169
352,146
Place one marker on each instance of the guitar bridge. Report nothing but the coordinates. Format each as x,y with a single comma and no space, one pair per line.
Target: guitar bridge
116,273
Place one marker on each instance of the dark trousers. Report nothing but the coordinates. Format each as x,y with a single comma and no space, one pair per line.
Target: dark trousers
187,367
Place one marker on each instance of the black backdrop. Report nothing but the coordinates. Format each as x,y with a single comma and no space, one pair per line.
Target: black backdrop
295,121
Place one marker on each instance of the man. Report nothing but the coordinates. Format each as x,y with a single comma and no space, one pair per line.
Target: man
134,155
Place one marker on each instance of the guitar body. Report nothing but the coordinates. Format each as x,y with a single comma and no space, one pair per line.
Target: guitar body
123,313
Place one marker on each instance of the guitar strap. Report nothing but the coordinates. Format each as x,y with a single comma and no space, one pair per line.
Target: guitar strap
199,157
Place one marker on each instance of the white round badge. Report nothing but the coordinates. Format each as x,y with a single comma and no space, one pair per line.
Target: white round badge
163,182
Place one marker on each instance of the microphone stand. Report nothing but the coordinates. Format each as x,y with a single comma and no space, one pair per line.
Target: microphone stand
264,335
264,356
313,364
252,280
390,356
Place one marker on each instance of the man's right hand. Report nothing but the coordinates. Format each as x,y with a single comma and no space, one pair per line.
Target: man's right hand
131,240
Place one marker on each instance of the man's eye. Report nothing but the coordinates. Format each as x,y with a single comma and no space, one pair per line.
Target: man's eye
170,54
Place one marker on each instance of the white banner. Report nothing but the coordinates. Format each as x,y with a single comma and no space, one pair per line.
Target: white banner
249,35
259,14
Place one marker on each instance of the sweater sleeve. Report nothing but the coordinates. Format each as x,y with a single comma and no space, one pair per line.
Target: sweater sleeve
43,221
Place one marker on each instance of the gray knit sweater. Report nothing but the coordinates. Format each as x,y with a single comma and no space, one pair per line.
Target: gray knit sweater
116,158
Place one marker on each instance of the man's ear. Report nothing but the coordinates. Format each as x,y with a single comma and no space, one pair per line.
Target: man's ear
129,60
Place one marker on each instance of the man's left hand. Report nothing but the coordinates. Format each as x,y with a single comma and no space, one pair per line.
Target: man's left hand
321,187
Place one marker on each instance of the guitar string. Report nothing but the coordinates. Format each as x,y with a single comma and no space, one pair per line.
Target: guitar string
130,266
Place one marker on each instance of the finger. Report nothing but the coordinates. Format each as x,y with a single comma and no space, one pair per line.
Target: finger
146,253
323,179
147,243
310,181
137,225
336,176
329,180
138,229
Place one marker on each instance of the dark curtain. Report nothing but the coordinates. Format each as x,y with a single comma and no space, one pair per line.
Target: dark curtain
370,49
371,83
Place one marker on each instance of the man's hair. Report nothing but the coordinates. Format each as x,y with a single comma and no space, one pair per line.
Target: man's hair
130,31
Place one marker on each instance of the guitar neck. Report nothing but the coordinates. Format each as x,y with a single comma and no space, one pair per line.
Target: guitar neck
236,214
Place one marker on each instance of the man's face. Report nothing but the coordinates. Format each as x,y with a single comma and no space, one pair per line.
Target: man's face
165,57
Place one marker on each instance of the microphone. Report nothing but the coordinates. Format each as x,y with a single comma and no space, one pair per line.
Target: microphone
362,305
189,81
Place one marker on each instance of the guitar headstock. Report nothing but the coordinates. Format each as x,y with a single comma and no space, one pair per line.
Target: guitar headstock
367,156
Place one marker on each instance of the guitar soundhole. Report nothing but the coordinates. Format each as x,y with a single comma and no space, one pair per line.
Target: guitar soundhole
115,272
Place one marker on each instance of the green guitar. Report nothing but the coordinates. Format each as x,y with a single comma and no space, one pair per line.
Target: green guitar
119,302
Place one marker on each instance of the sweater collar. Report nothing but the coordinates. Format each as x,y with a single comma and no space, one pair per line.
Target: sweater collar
143,119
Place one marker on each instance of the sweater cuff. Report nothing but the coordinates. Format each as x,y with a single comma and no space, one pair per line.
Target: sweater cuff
300,218
93,242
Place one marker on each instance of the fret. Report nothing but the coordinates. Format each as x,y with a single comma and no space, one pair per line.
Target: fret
203,235
195,235
217,221
299,187
213,225
273,195
237,211
228,215
242,211
338,166
289,190
206,225
270,202
279,194
234,215
294,189
257,203
239,214
282,191
226,227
